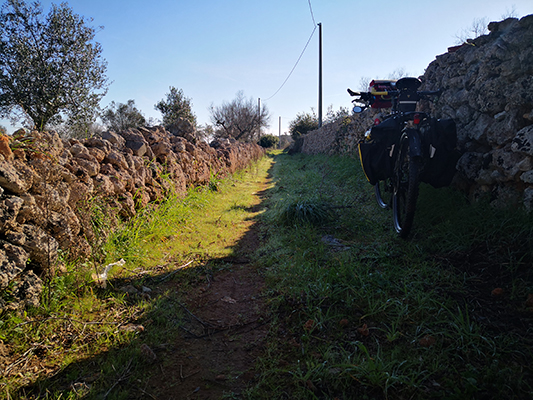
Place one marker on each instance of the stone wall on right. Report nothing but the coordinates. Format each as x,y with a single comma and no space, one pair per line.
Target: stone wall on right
488,90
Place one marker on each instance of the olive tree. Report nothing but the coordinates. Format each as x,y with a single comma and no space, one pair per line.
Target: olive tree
50,66
176,106
240,119
119,117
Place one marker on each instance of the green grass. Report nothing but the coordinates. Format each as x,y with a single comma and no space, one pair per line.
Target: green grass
84,340
380,317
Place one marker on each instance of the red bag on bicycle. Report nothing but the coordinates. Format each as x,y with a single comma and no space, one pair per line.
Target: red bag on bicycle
377,85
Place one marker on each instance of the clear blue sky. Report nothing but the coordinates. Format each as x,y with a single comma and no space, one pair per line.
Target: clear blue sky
212,49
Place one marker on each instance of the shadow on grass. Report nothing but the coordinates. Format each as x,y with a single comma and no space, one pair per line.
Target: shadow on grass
155,348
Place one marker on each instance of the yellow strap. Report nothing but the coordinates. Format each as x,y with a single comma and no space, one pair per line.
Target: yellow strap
361,159
379,93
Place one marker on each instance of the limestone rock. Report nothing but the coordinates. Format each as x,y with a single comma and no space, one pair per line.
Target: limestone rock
16,176
12,262
41,247
9,210
5,150
135,141
29,289
523,141
113,138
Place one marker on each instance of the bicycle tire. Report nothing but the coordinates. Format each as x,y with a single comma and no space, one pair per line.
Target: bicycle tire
405,194
383,191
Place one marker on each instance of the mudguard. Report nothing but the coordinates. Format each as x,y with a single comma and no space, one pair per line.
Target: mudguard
415,144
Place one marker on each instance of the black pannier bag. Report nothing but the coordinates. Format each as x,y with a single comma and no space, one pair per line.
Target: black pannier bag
440,143
375,160
386,132
375,151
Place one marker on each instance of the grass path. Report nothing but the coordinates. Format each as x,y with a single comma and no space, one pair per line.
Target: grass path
360,313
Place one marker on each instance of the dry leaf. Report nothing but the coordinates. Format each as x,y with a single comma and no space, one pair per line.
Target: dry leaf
364,330
529,301
343,322
309,325
131,328
427,341
497,292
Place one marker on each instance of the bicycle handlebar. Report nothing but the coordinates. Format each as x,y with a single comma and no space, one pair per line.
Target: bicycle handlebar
365,96
352,93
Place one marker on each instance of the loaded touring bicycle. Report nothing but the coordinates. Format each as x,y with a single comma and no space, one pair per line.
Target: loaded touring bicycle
405,147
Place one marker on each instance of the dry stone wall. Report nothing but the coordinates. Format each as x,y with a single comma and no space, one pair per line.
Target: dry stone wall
488,90
47,187
339,137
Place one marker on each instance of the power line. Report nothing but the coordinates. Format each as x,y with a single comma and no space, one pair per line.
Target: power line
293,68
311,9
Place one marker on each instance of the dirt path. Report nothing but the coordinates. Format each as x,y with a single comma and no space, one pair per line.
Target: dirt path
225,324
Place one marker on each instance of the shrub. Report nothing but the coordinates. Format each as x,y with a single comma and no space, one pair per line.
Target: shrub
268,141
303,123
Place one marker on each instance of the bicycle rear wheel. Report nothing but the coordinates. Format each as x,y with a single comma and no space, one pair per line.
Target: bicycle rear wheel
383,190
405,194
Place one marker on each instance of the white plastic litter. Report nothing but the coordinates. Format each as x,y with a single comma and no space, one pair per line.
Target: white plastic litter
101,279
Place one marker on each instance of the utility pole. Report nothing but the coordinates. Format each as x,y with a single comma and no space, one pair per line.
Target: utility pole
259,116
279,145
319,75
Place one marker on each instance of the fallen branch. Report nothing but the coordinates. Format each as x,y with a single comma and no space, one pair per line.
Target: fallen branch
205,324
22,358
175,271
123,376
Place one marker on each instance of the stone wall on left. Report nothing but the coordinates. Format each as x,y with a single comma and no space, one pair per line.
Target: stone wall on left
47,185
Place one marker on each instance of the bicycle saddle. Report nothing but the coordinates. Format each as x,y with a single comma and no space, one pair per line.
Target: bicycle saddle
408,84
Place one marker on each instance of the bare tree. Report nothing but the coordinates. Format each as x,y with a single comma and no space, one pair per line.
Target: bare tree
239,119
510,13
364,81
478,28
398,73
